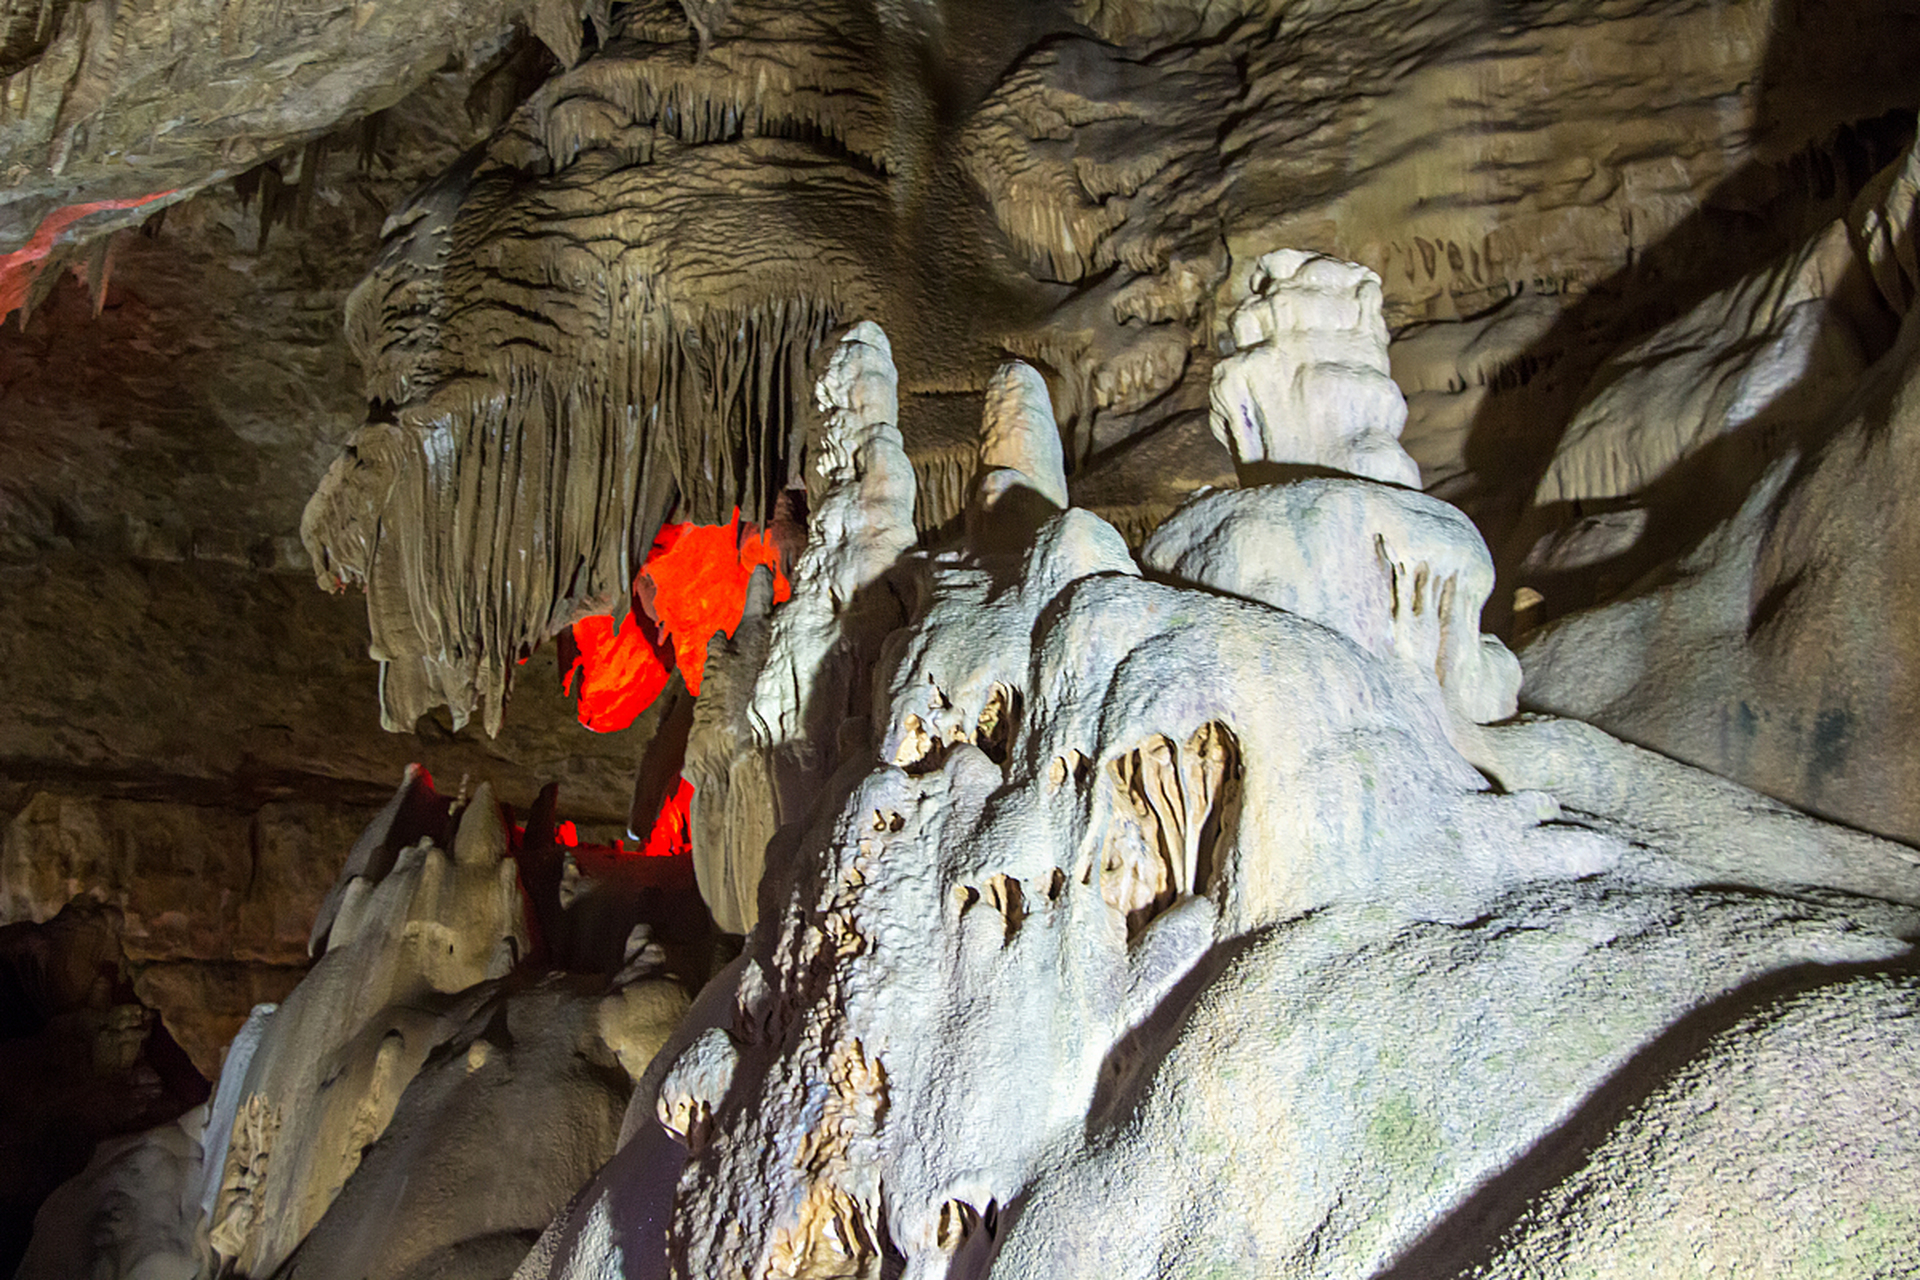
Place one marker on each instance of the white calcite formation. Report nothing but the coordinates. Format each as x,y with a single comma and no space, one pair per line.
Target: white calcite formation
1402,574
422,1037
132,1212
1308,382
1162,924
1205,911
765,727
1021,478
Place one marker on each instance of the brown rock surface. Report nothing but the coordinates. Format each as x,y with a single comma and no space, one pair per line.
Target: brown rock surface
102,101
162,639
205,1003
189,727
678,233
1775,648
188,881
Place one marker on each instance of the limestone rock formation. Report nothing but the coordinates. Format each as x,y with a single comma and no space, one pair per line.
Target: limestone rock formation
108,106
425,1037
134,1211
1309,381
1402,574
593,321
1747,362
764,736
1124,818
1773,649
82,1062
676,368
1176,904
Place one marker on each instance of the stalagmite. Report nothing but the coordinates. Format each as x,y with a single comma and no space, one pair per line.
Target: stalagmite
1308,382
766,739
1132,850
1402,574
1021,478
1108,840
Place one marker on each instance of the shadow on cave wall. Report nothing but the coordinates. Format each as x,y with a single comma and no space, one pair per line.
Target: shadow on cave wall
1824,124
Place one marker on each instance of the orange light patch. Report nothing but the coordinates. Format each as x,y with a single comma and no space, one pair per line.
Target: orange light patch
620,675
694,584
696,579
672,834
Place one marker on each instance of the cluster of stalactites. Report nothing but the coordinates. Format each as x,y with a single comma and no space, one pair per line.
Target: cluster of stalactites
575,337
482,528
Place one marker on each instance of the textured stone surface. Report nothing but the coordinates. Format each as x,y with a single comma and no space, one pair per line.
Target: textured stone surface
1402,574
193,728
404,1048
669,228
111,101
81,1060
1775,651
1749,361
1655,1198
189,882
784,686
596,307
1162,904
1308,381
137,1197
428,1096
1287,1131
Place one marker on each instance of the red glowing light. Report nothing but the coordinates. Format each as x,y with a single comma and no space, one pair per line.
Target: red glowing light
620,674
693,584
672,834
696,581
669,841
699,575
19,269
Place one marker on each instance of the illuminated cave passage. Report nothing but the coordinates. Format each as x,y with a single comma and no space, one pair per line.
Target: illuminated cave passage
693,584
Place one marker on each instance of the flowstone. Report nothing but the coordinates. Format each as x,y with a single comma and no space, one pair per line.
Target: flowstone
1153,924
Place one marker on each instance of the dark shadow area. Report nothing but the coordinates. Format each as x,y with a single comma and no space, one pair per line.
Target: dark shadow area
81,1060
1470,1237
1828,116
1130,1064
